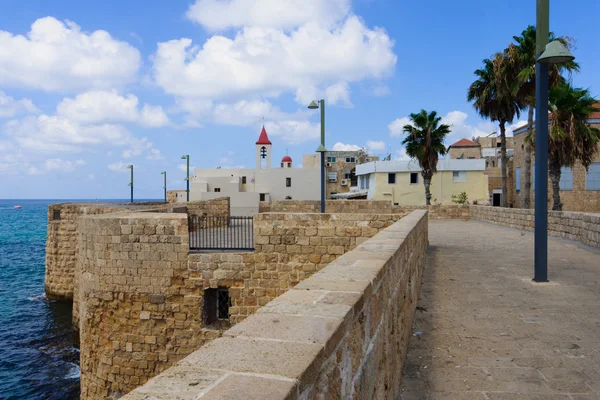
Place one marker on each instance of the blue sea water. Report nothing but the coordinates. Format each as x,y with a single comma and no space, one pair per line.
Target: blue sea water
37,356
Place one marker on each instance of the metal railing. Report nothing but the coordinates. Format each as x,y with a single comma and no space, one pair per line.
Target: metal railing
221,233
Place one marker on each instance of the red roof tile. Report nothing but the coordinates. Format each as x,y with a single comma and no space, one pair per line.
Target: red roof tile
465,143
263,138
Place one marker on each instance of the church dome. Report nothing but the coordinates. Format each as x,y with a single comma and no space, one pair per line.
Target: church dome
286,159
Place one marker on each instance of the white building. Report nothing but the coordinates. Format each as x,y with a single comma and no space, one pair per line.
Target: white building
247,187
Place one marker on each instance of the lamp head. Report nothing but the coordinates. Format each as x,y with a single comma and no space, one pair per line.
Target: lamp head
184,157
555,53
313,105
130,166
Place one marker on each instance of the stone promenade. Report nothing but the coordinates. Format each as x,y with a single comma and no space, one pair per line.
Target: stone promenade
484,331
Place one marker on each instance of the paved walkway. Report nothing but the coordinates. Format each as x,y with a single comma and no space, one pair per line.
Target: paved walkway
489,333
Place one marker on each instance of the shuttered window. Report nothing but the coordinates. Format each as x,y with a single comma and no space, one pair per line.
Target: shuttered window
592,178
566,178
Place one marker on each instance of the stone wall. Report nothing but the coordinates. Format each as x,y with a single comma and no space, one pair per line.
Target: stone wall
582,227
331,206
215,207
342,333
172,195
61,245
137,315
140,297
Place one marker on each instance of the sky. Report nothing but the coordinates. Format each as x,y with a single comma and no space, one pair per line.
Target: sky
87,88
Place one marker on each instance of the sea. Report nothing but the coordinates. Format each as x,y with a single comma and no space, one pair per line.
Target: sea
38,359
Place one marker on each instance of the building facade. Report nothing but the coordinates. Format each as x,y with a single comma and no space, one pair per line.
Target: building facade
340,169
579,189
464,149
401,182
247,187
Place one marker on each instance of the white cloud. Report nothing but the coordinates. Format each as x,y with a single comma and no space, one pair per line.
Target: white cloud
375,145
56,164
294,132
339,146
395,127
57,56
217,15
381,90
268,61
54,134
339,93
154,155
10,107
97,106
401,154
118,167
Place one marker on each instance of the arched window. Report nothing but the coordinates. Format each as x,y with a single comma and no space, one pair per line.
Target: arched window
263,152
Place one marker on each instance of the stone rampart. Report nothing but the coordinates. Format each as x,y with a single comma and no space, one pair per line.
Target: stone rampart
331,206
341,333
583,227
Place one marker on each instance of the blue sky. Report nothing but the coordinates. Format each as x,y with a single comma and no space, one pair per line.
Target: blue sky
87,88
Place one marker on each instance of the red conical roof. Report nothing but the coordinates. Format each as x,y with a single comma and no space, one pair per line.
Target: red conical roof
286,159
263,138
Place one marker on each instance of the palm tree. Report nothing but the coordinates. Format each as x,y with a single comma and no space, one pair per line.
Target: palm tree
492,94
425,142
571,137
522,53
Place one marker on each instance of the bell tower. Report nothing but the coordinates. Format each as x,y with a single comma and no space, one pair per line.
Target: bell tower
263,150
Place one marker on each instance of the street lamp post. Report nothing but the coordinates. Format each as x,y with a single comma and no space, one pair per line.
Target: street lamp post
165,184
546,54
131,181
313,106
187,175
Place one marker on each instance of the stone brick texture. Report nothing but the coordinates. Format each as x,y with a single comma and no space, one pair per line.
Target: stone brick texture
578,199
582,227
341,333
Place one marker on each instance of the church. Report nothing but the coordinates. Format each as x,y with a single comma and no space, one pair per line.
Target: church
247,187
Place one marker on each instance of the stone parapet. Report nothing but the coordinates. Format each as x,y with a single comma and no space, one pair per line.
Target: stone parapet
583,227
341,333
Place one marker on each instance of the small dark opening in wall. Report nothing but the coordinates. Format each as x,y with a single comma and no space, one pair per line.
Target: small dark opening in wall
56,215
216,306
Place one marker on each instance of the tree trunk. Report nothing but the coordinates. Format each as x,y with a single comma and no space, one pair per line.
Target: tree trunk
427,183
554,170
527,178
504,162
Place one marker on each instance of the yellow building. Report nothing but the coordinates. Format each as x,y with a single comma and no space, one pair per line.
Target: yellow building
401,182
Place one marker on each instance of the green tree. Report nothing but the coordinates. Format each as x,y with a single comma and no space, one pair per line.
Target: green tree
571,138
493,97
522,54
425,142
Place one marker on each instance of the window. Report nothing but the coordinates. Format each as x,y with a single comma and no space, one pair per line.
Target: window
566,178
331,159
243,180
391,178
350,159
262,197
217,190
216,305
414,177
592,178
367,180
288,182
499,144
518,179
459,176
332,176
56,215
362,182
493,163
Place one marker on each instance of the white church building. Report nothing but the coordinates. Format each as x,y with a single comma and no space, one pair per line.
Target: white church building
247,187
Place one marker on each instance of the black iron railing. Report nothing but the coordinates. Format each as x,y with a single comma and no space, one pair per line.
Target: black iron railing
221,233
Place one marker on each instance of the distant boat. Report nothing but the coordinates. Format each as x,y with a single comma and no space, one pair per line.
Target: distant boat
17,207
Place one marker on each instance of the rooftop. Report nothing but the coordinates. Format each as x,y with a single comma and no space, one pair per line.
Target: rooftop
263,138
465,143
413,166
